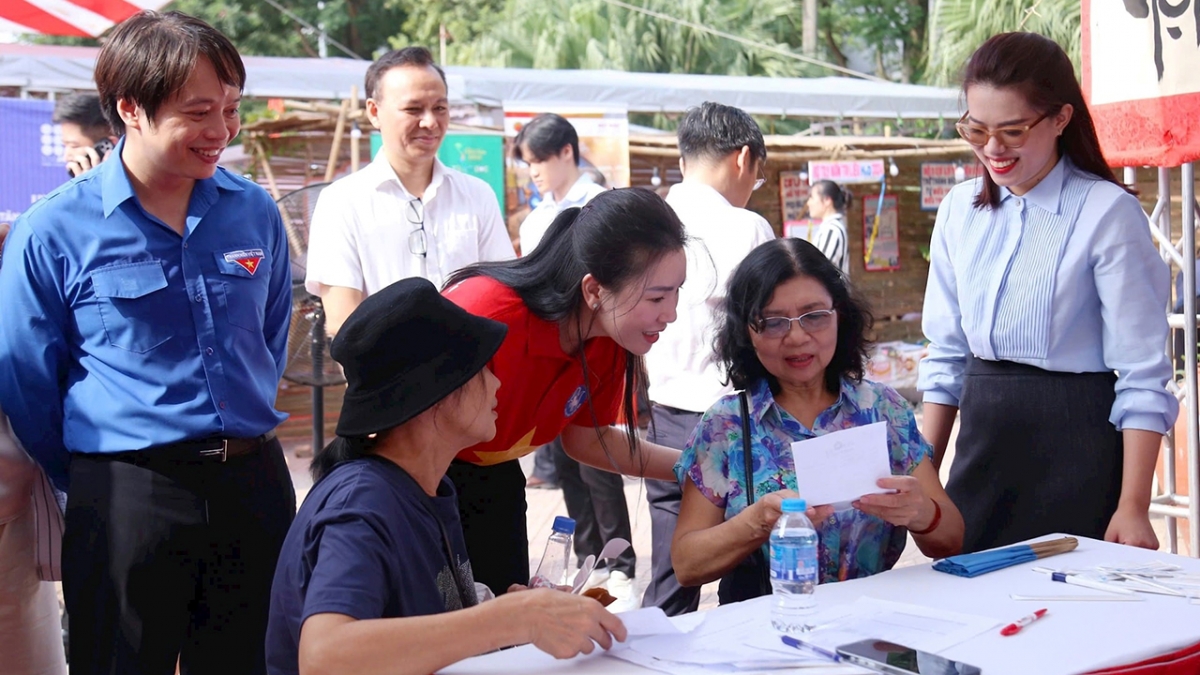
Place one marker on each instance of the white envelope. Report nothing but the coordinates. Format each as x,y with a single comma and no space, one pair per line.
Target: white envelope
842,466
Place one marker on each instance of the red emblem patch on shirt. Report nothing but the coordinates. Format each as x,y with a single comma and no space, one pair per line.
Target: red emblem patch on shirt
247,260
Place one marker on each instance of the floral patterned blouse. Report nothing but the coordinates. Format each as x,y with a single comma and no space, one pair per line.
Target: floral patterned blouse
852,543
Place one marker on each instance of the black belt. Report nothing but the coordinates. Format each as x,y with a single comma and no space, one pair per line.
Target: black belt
203,450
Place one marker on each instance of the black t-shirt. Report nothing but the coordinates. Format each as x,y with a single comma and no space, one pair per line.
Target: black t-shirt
366,543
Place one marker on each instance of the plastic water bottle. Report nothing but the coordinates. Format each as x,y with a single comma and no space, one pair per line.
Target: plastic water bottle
793,569
551,570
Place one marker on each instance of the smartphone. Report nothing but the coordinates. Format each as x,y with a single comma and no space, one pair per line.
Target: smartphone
102,148
887,657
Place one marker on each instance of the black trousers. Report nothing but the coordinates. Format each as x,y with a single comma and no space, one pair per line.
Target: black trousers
491,505
167,562
1036,454
669,427
595,499
544,466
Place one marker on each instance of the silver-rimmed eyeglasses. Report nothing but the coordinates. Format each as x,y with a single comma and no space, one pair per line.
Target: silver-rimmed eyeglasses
761,180
779,326
416,238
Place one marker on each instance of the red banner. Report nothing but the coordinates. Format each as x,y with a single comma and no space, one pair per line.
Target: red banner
1141,76
79,18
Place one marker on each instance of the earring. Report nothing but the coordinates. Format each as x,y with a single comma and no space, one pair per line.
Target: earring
595,306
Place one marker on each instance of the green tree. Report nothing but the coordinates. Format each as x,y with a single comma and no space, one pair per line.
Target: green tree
958,27
256,27
892,30
592,34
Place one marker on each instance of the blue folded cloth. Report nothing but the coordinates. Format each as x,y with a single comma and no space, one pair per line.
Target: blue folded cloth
973,564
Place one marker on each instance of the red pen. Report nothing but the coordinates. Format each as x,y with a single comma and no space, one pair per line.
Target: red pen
1016,626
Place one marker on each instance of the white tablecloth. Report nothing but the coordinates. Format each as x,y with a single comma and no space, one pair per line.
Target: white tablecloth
1074,637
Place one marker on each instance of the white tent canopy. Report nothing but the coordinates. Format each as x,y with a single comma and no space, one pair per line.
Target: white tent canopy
49,68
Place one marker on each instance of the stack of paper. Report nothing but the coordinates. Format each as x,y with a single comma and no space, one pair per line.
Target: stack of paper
739,638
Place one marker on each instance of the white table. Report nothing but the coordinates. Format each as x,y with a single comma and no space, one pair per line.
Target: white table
1075,637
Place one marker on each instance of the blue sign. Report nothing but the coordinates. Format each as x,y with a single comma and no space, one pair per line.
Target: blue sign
31,155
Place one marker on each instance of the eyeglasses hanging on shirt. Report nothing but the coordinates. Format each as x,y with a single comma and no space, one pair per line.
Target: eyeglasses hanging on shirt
416,216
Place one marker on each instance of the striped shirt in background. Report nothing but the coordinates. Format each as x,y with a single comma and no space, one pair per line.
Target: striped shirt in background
831,239
1064,278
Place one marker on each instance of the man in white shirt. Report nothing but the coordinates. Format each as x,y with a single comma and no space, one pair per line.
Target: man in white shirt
549,144
722,154
406,214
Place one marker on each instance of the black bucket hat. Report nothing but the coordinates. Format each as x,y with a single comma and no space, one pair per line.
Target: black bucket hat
404,349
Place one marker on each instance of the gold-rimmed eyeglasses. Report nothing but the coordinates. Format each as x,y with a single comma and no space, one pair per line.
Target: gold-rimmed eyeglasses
416,216
1013,136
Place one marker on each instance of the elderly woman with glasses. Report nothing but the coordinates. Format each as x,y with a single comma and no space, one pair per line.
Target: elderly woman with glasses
1045,316
792,337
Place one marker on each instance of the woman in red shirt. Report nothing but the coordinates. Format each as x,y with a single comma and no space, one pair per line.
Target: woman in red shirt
581,309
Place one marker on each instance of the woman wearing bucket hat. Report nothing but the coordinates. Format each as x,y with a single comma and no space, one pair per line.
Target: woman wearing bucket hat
374,575
582,310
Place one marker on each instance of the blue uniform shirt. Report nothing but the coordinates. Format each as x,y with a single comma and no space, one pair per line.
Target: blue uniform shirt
117,334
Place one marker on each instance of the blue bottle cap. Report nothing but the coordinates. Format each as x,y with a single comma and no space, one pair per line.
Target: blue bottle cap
563,524
794,506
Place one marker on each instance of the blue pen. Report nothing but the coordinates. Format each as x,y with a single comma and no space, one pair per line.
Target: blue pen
800,644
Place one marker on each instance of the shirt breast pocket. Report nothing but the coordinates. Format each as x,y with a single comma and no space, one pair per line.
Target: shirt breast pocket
243,286
133,304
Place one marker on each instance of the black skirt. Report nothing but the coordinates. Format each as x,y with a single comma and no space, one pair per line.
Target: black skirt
1036,454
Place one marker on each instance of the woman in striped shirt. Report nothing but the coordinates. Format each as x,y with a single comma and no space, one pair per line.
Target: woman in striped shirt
1045,316
828,201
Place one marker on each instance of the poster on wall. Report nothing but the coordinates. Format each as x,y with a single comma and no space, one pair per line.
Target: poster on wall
861,171
1141,80
793,202
881,240
31,153
603,147
937,178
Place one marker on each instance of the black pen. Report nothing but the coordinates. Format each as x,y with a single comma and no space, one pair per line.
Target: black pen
800,644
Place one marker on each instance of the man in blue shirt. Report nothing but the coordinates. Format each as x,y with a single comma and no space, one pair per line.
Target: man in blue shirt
143,333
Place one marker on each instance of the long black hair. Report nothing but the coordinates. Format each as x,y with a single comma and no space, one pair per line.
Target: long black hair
617,237
1039,69
750,289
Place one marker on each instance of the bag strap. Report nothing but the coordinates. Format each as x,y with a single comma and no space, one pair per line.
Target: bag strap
764,577
749,465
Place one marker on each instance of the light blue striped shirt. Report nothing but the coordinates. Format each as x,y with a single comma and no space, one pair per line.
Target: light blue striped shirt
1065,278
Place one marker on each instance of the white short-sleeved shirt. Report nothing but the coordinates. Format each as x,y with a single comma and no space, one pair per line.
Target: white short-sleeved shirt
535,225
683,370
360,232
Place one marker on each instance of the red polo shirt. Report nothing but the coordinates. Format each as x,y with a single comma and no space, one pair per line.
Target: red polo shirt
541,386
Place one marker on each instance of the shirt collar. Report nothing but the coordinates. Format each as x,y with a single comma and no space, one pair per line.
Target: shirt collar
383,173
115,187
579,191
1048,192
762,401
699,193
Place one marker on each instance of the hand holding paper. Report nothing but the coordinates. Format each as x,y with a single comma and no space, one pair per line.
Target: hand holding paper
842,466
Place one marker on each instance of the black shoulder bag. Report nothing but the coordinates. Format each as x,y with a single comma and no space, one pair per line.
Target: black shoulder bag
752,577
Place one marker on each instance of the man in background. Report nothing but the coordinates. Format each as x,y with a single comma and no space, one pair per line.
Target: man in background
86,136
405,214
722,154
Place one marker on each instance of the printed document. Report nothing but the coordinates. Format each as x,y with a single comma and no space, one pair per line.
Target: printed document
842,466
